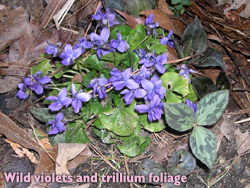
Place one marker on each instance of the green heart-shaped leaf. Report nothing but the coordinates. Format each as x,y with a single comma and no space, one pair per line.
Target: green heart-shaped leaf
203,145
211,107
122,121
179,116
150,126
174,84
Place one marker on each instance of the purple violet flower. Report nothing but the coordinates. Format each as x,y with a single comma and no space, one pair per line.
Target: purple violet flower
102,18
150,23
69,55
60,101
142,54
35,83
133,93
144,74
185,72
158,62
153,108
78,98
52,49
167,40
192,105
23,93
101,42
119,44
153,87
57,125
119,80
83,44
98,86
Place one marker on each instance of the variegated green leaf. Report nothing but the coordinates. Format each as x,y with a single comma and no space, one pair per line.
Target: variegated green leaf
211,107
203,145
179,116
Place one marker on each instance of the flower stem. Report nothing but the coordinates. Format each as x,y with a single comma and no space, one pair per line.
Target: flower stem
142,41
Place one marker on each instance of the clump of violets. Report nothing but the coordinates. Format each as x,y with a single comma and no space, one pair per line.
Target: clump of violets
52,49
70,54
103,18
184,71
57,125
149,22
36,83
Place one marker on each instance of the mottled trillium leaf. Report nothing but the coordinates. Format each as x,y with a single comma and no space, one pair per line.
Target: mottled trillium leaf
211,107
181,163
222,81
176,86
148,166
210,57
179,116
75,133
122,121
202,86
196,35
151,126
203,145
134,145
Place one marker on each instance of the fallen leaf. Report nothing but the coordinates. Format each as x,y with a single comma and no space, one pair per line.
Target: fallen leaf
162,5
58,18
67,152
247,186
51,9
163,19
131,20
160,154
13,26
81,158
226,127
242,141
23,52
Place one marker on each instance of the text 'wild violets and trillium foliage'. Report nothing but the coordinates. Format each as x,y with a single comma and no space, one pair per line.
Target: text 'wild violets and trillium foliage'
127,84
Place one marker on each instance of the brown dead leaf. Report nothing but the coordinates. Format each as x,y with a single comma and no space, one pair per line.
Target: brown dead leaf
14,133
212,73
23,52
13,26
51,9
160,154
226,127
46,144
247,186
162,5
163,19
131,20
67,152
242,141
81,158
171,53
35,10
87,8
